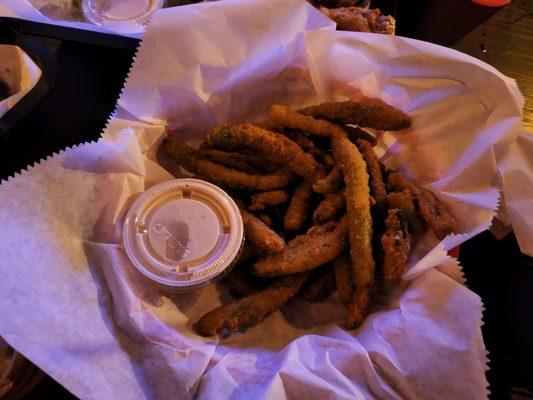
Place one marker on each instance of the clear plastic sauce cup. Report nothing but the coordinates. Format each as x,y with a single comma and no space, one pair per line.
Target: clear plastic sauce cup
183,234
101,12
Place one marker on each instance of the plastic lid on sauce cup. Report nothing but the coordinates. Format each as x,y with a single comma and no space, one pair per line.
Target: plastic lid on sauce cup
102,12
183,234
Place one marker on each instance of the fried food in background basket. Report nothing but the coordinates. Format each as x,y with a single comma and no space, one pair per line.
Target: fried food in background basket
352,15
356,15
359,19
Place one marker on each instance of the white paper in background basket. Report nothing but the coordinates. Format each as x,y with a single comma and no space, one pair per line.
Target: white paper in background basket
72,304
25,10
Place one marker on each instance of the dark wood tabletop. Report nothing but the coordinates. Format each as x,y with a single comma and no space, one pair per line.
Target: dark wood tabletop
502,37
505,41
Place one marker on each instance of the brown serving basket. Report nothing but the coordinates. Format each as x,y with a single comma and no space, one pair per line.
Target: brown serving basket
18,376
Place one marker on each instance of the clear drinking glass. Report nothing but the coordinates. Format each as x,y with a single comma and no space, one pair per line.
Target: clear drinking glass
101,12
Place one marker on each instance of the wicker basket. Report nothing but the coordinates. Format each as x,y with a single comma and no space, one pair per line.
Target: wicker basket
18,376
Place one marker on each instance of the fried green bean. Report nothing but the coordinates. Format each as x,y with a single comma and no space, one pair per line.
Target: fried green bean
192,162
255,307
299,206
239,283
308,145
396,244
269,143
434,213
250,252
313,249
355,134
357,195
262,200
332,206
404,201
260,234
376,184
305,123
267,219
271,126
320,284
229,159
344,279
371,113
331,182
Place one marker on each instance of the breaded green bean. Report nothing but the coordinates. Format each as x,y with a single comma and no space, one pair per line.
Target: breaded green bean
262,200
250,252
354,134
260,234
269,143
254,307
229,159
305,123
331,207
357,195
267,219
344,279
371,113
241,282
377,186
313,249
434,213
192,162
271,126
262,162
331,182
404,201
320,284
299,206
396,244
308,145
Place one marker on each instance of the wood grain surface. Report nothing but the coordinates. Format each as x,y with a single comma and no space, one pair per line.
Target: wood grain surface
505,41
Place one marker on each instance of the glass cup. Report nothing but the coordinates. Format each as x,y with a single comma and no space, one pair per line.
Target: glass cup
102,12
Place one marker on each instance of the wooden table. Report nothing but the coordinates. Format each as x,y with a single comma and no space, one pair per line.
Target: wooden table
505,41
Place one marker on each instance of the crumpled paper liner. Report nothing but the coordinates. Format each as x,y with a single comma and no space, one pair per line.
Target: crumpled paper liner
516,169
227,63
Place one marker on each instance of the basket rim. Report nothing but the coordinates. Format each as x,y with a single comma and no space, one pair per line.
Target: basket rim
10,366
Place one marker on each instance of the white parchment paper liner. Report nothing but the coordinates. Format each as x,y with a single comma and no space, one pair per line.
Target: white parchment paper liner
72,304
516,169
